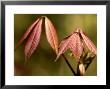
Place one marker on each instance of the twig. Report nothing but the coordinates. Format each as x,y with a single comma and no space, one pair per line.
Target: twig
69,64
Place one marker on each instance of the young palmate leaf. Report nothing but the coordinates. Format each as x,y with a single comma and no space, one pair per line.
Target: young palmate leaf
29,30
89,43
51,34
34,33
75,44
64,45
33,40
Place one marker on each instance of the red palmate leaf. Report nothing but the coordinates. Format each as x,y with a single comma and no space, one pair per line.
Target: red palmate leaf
51,34
33,40
73,43
29,30
75,46
63,46
90,45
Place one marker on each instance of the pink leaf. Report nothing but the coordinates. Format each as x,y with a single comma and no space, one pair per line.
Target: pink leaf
29,30
63,46
51,34
33,40
75,46
89,43
73,43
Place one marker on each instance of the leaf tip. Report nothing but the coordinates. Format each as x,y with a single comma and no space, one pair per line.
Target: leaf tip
51,34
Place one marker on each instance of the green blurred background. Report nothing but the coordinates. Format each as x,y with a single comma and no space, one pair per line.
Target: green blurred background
42,62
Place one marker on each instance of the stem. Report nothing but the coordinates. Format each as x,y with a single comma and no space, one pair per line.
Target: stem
69,64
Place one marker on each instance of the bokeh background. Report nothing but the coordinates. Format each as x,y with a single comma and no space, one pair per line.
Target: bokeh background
42,62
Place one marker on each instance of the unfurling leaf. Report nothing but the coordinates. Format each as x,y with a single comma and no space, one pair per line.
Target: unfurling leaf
29,30
90,45
34,33
81,69
73,43
63,46
51,34
75,46
33,40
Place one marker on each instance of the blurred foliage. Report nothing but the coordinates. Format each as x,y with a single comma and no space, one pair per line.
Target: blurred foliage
42,61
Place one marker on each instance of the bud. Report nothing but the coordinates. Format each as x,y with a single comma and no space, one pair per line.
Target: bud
81,69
